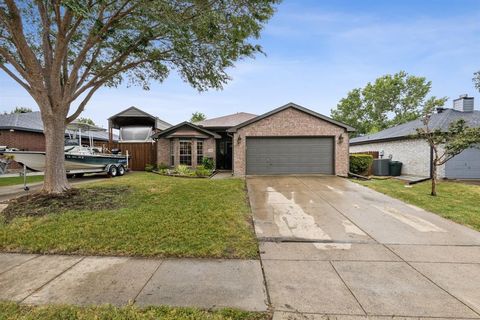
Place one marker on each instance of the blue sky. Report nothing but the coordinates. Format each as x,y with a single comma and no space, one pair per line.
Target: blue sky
316,52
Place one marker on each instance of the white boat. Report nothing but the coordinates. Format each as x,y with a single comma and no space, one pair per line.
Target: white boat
79,159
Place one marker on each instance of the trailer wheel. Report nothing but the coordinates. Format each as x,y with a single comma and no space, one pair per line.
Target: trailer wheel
121,170
113,171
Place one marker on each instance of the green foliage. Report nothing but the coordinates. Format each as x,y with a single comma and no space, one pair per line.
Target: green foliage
456,139
197,117
163,166
390,100
476,80
15,311
21,110
208,163
201,171
161,217
86,121
150,167
462,209
184,170
360,163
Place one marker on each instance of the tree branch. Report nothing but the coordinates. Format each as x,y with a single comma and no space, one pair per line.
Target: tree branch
82,105
14,77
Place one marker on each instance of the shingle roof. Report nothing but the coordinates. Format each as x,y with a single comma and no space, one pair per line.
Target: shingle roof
133,112
438,120
32,122
227,121
180,125
294,106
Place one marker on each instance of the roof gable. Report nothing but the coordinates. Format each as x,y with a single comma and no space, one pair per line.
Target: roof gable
119,119
132,112
294,106
181,127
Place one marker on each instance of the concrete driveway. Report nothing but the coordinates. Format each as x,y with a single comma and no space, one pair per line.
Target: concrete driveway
332,247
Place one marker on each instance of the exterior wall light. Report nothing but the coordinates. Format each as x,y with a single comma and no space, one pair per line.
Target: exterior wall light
340,139
239,139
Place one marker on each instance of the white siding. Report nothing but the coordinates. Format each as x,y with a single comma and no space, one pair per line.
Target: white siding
413,153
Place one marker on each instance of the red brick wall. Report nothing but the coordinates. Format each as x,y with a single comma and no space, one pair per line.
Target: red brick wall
28,141
291,122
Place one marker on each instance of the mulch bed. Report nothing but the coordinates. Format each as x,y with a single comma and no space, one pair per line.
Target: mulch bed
91,199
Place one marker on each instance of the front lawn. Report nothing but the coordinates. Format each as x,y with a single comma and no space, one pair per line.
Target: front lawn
455,201
13,311
11,181
156,216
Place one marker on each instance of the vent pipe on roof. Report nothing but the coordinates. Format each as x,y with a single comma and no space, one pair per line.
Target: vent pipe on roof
463,104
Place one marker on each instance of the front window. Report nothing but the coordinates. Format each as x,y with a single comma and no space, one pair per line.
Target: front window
186,152
199,152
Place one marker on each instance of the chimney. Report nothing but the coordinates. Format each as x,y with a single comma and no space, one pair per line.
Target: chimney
463,104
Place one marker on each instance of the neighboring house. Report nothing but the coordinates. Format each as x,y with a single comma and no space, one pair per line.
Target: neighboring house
25,132
415,154
136,128
287,140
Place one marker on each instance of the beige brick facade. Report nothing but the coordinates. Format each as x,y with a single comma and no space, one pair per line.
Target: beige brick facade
291,122
164,152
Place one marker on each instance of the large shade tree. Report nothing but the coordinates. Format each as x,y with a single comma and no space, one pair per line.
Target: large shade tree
62,51
390,100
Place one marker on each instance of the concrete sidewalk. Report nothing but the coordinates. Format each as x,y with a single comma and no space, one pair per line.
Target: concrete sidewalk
57,279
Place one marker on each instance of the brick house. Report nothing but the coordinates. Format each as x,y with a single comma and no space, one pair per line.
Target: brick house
288,140
399,143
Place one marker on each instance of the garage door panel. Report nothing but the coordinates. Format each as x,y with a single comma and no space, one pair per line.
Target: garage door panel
289,155
466,165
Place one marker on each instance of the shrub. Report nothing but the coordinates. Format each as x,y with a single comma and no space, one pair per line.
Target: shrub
184,170
360,163
150,167
162,166
208,163
201,171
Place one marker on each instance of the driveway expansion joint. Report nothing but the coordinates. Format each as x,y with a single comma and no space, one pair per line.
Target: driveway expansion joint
349,289
431,281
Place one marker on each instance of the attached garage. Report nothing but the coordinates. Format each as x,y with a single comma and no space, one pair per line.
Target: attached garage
466,165
290,140
289,155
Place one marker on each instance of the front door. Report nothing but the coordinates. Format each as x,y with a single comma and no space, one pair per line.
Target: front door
224,153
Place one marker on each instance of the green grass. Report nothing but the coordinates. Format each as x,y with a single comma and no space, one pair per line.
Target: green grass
455,201
11,181
14,311
162,217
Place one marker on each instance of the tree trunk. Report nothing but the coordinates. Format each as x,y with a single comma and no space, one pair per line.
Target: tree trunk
55,180
434,180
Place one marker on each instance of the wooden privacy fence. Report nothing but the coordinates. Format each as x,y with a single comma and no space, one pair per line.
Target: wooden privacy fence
140,154
374,154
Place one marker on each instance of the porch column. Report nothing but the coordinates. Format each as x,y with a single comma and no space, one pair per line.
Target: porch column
194,152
